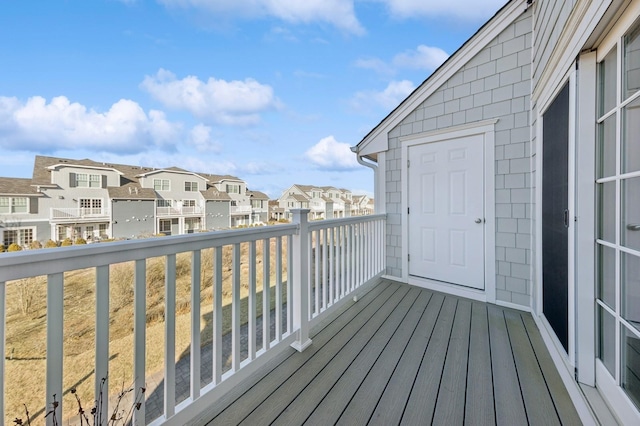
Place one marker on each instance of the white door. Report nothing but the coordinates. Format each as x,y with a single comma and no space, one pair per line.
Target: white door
446,211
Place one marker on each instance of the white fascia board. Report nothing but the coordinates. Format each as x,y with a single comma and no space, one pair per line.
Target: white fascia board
377,140
82,166
176,172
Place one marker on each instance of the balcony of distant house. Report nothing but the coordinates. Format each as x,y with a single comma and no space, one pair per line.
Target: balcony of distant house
168,208
83,213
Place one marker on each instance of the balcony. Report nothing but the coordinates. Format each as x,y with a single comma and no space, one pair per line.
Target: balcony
237,210
179,211
75,214
332,342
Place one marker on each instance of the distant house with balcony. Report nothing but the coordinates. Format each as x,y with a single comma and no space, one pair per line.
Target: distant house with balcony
325,202
362,205
68,198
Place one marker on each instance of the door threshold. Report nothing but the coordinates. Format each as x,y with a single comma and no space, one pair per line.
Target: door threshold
448,288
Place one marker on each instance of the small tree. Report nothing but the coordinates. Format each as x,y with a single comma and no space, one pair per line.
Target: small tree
1,248
66,242
34,245
80,241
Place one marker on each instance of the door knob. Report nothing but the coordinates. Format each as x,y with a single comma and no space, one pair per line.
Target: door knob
478,220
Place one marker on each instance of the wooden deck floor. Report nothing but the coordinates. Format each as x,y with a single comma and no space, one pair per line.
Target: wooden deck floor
404,355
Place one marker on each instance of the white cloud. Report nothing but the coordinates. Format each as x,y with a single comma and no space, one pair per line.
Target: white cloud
388,98
329,154
200,138
375,64
424,57
475,10
61,124
339,13
226,102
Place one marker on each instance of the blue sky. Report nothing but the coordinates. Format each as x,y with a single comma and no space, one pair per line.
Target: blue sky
272,91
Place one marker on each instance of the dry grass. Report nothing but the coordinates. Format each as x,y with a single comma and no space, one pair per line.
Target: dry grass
26,327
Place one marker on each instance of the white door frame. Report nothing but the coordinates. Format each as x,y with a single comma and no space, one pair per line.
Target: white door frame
487,130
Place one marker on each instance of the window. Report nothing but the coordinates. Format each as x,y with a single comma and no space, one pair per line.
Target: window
188,203
20,236
233,189
103,229
618,212
165,226
161,185
192,224
95,181
84,180
163,203
234,203
256,204
191,186
14,205
90,206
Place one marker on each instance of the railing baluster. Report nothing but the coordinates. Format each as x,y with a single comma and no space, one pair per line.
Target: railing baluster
252,302
316,283
55,336
278,289
266,296
170,336
289,283
325,282
217,317
343,261
235,309
3,338
101,388
196,276
139,336
331,265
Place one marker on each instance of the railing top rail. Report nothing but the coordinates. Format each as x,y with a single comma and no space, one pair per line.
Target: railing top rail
321,224
32,263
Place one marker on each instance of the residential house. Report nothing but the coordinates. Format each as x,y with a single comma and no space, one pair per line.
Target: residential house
68,198
362,205
325,202
512,175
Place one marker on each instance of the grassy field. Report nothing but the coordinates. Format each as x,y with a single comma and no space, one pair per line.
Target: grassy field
26,326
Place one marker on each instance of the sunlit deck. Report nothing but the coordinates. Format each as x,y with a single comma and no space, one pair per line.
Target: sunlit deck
403,355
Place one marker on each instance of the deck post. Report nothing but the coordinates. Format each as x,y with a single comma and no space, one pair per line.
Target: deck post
300,285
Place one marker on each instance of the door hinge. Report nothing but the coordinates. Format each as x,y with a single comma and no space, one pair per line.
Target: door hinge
408,163
408,210
408,258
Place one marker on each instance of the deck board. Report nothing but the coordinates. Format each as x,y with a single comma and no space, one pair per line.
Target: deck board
404,355
480,408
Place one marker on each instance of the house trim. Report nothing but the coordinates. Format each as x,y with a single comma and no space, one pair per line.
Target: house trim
377,140
487,130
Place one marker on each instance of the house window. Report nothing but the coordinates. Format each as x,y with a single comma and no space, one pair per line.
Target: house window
14,205
163,203
191,186
165,226
95,181
188,203
618,212
90,206
234,203
161,185
192,224
103,230
20,236
233,189
257,204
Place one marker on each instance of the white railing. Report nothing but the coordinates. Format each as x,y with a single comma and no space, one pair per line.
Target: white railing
179,211
78,213
324,264
240,209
